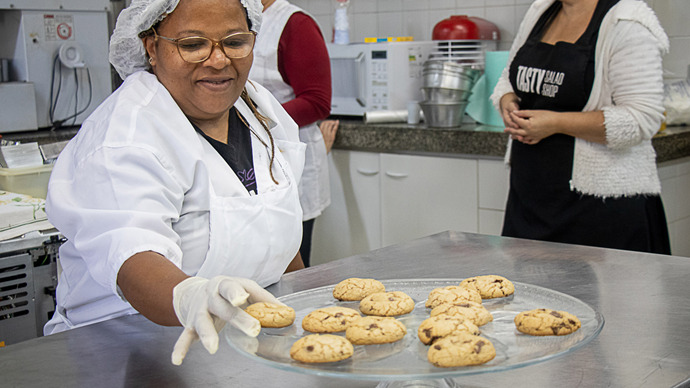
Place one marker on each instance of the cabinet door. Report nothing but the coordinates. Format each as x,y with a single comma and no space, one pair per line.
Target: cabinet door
352,223
423,195
494,179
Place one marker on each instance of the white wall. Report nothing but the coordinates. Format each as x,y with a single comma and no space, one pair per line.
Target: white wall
417,18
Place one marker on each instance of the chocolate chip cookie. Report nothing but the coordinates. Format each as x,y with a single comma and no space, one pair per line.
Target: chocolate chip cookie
371,330
357,289
461,349
452,294
546,322
439,326
329,319
321,348
271,314
490,286
387,304
475,312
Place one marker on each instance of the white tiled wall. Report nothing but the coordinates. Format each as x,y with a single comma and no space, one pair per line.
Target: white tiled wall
417,18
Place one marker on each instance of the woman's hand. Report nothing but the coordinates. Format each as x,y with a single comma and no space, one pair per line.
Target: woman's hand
328,130
203,306
509,103
533,125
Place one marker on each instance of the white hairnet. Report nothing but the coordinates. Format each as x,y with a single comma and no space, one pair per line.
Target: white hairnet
127,52
254,9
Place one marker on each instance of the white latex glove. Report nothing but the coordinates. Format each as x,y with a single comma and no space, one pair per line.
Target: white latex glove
203,307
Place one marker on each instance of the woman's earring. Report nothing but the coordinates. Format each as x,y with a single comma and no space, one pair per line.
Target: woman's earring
150,61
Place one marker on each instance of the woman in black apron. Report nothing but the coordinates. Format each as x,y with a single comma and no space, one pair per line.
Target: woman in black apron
541,204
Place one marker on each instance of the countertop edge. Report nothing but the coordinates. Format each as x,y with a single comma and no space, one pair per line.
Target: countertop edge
468,141
471,140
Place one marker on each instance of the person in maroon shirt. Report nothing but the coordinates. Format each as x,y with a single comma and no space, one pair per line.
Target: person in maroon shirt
304,64
291,60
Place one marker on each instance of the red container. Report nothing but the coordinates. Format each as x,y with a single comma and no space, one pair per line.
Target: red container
460,27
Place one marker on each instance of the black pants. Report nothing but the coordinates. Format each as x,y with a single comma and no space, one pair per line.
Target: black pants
305,248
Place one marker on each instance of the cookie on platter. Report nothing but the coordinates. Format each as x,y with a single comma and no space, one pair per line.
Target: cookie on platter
372,330
357,289
271,314
452,294
490,286
440,326
461,349
546,322
387,304
329,319
321,348
475,312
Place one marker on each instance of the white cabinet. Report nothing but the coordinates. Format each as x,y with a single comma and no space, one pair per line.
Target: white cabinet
382,199
423,195
494,178
352,223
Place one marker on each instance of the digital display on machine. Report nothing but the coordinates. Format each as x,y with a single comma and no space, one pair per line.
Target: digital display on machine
379,54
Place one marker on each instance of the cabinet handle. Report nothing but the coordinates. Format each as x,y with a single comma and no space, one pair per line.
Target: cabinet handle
367,172
397,175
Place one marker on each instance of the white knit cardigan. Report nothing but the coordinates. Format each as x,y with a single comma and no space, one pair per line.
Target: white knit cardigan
628,88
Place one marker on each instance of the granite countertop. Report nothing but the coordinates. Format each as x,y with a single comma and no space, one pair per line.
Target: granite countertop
469,140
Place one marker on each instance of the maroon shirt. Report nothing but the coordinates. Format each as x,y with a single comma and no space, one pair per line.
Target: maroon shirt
304,64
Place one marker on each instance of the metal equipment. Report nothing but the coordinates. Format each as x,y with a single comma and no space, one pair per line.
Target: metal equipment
28,278
55,55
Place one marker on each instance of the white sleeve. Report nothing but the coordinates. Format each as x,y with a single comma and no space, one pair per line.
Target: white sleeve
116,202
635,79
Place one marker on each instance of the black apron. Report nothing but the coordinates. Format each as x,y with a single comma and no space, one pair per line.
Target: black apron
541,205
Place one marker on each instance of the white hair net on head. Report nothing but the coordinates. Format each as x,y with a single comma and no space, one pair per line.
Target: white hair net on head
127,52
254,9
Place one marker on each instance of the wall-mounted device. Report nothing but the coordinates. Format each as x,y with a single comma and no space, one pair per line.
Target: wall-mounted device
60,56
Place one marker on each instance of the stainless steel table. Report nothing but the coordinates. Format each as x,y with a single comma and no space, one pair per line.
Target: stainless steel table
644,343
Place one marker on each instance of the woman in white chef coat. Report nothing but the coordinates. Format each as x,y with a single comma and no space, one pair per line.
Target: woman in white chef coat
178,196
291,61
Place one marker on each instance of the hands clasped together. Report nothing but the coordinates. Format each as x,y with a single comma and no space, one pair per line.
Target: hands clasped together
203,306
526,126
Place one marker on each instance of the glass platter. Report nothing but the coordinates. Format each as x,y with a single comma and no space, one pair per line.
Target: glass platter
406,359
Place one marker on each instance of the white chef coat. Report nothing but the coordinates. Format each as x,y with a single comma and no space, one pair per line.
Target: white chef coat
314,188
138,177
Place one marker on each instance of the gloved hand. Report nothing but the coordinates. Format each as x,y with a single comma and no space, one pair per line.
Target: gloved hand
203,307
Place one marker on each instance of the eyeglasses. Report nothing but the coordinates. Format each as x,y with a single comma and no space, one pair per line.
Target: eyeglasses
195,49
